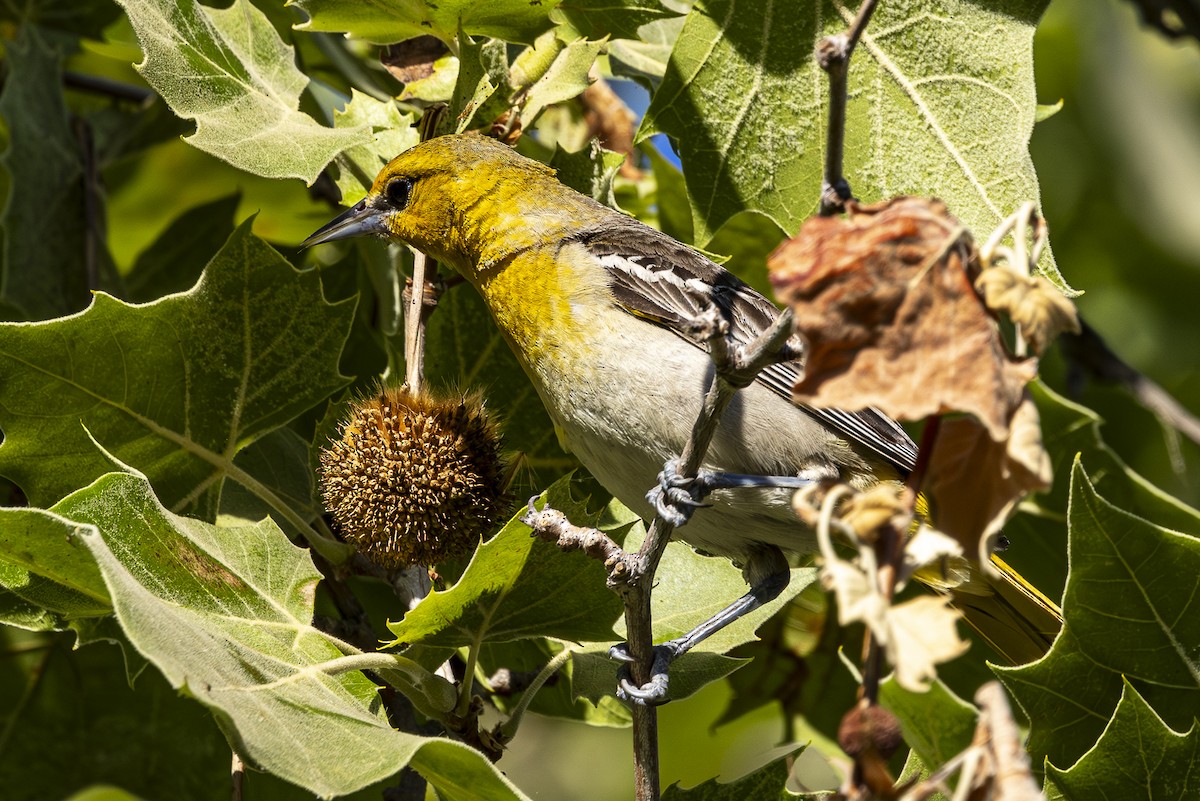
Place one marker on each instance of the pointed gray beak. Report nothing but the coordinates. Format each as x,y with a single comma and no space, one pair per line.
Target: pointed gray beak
361,219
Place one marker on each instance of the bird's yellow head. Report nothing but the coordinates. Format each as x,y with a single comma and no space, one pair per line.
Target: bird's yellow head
451,197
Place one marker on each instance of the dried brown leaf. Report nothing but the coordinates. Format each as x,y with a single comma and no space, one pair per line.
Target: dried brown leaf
921,635
974,482
1038,310
886,304
1005,774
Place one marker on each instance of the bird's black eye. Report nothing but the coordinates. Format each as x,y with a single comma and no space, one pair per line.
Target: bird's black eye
398,191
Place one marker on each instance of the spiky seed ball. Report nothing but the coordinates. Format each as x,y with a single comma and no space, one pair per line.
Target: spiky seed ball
414,479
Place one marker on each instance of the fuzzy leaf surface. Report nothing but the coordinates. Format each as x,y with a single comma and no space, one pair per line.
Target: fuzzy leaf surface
1138,756
174,388
941,102
384,23
226,612
227,69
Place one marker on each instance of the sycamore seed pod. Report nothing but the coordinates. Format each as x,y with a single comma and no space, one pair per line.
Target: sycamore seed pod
414,479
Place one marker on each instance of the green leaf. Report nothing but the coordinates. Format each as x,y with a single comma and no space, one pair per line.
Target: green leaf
282,462
228,70
174,388
44,563
46,226
768,782
937,724
591,171
745,101
555,698
482,71
392,133
1037,533
226,612
1131,585
1138,756
175,260
1129,609
645,58
619,19
73,719
384,23
566,78
516,587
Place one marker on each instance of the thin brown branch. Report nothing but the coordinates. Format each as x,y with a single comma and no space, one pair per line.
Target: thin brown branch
1090,357
833,55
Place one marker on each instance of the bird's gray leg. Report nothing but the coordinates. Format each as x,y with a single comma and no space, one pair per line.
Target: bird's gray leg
766,571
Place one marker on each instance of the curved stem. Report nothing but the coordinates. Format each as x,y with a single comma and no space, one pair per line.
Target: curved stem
509,729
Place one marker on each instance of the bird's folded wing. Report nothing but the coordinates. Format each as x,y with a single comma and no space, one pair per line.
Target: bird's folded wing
658,279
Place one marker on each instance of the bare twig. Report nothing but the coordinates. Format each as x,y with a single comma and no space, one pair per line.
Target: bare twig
237,775
414,327
1089,356
833,56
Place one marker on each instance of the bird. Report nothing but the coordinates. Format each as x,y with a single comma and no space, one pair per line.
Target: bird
598,309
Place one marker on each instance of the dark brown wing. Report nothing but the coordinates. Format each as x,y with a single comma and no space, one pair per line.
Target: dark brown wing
658,279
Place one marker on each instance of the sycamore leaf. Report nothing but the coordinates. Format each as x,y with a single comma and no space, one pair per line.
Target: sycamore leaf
597,19
645,58
44,564
746,102
936,723
226,612
1138,756
392,134
765,784
566,78
174,388
1130,613
518,587
384,23
227,69
45,223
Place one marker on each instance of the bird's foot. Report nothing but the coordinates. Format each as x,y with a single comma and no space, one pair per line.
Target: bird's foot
676,497
654,691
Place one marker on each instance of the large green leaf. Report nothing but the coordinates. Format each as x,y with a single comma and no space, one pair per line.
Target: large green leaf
936,724
72,718
619,19
174,388
44,563
227,69
767,783
226,612
518,587
1138,756
511,20
46,227
1130,610
745,102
